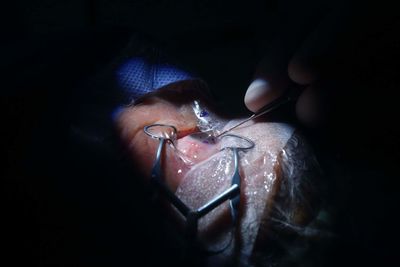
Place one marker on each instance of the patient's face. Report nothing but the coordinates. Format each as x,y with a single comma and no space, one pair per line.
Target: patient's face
278,175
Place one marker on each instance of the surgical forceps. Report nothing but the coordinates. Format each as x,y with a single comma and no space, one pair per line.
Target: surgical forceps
168,134
290,95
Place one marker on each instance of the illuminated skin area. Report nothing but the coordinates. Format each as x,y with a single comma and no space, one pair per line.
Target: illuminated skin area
197,171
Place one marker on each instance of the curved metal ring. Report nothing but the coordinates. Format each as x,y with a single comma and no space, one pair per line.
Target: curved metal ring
147,131
251,143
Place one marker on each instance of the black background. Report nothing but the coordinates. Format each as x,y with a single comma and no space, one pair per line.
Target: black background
70,201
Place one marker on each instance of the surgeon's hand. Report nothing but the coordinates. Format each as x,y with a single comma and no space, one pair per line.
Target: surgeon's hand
330,50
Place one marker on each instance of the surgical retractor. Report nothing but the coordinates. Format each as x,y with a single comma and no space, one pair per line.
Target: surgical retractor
167,134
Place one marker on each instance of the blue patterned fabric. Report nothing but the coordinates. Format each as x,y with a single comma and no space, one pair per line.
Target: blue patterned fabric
138,76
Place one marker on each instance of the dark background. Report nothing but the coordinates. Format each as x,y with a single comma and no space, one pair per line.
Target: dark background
70,199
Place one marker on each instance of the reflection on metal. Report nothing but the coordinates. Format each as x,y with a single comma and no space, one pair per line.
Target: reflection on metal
289,96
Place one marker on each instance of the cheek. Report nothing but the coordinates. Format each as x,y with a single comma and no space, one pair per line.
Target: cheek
142,149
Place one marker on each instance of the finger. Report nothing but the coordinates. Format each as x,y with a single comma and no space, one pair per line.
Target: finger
310,108
263,91
327,49
271,77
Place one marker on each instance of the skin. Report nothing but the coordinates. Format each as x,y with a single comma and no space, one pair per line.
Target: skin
262,169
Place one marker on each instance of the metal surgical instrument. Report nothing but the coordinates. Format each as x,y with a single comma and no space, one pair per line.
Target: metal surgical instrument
289,95
167,134
236,179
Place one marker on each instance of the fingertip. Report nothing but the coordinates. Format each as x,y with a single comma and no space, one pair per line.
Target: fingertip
309,107
258,94
300,72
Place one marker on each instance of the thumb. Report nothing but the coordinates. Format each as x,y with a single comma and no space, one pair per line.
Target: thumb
271,78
